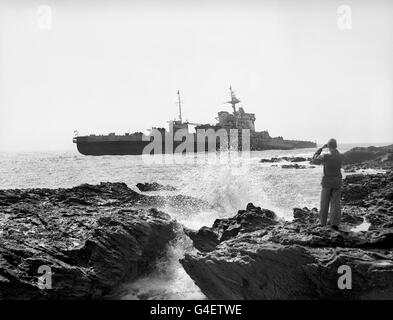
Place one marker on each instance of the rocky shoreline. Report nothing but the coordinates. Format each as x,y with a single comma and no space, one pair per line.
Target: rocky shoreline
95,237
255,255
92,238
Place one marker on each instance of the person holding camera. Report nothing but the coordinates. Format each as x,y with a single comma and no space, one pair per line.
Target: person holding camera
331,183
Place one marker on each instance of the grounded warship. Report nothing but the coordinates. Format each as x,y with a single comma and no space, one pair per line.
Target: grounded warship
135,143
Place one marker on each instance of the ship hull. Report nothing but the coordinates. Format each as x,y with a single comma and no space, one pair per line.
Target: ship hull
120,148
114,148
101,148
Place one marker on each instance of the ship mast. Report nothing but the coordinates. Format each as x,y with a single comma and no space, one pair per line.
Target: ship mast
233,100
179,101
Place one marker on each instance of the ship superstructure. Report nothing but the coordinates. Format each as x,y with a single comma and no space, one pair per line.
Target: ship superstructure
134,144
238,118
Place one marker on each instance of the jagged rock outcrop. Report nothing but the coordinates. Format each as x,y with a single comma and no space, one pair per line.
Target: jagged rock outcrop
372,195
293,162
251,219
256,256
92,237
271,160
368,157
293,166
154,186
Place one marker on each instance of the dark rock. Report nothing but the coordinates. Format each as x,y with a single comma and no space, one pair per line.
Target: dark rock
289,159
389,195
368,190
353,215
276,271
272,160
251,219
361,154
305,215
293,166
368,158
154,186
92,237
298,159
205,239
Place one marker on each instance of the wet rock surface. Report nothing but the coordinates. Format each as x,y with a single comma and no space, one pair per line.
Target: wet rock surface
91,236
289,159
251,219
293,162
254,255
373,195
154,186
294,166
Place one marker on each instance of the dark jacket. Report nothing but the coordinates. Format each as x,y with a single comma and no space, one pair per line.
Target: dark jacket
332,163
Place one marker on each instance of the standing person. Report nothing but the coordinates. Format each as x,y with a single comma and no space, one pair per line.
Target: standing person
331,183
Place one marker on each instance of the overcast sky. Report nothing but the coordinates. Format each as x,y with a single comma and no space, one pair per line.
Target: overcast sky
115,66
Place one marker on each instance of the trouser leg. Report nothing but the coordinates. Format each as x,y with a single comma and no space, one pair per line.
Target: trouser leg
335,207
324,208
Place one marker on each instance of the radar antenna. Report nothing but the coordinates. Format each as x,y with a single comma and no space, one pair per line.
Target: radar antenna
233,100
